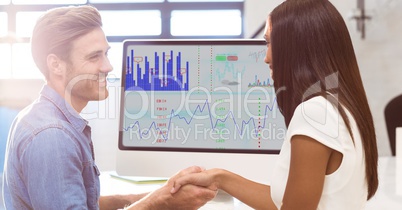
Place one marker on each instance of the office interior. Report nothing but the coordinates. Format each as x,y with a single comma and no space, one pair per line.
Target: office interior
376,35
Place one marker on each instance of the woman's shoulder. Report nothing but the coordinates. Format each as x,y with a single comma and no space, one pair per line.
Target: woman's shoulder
317,118
317,109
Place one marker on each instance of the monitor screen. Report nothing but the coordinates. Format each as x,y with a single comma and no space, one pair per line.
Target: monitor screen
198,97
202,96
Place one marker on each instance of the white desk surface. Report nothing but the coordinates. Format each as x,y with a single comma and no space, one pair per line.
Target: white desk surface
388,196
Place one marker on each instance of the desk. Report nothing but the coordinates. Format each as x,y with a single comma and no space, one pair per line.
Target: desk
388,196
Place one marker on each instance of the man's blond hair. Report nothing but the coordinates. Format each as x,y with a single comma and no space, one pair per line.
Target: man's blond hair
56,30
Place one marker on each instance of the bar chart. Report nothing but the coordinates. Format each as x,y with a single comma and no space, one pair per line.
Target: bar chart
164,72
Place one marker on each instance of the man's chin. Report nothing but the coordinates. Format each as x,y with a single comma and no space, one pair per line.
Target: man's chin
103,95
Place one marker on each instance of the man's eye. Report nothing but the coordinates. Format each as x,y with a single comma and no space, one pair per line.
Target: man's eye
94,57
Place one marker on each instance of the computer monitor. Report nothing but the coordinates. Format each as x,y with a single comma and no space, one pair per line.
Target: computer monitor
198,102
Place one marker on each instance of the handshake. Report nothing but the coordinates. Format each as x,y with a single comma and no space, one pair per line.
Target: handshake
189,189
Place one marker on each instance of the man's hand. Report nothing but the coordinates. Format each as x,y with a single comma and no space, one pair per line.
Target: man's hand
187,198
205,178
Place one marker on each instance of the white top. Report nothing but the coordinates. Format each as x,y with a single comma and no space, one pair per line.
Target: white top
344,189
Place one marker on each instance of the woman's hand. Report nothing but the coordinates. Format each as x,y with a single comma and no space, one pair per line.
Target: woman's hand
206,178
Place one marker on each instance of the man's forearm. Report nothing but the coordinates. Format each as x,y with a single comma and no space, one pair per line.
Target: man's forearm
114,202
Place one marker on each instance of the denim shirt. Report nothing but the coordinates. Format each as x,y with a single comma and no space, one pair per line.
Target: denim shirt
49,161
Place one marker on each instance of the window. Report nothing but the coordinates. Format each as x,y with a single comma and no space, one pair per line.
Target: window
142,22
122,19
5,61
23,66
3,24
25,22
206,22
5,52
49,1
4,2
124,1
205,0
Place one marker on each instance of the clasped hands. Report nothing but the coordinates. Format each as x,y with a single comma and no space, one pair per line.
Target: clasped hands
189,189
196,176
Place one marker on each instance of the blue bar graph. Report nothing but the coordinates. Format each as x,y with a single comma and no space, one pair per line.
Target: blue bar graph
168,75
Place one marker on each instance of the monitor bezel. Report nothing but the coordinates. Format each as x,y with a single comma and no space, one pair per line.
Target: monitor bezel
131,42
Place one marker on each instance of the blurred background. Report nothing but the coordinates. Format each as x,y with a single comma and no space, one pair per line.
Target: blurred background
375,27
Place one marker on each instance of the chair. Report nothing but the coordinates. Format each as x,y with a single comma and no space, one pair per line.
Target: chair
393,119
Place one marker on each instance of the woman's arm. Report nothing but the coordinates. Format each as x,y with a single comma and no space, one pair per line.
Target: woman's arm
310,161
308,166
256,195
251,193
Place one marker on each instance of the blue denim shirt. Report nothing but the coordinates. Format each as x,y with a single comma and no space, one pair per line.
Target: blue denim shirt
49,161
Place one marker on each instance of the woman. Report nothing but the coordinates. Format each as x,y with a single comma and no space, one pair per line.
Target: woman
329,157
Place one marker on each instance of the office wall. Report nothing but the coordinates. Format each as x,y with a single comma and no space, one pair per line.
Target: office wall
379,54
379,57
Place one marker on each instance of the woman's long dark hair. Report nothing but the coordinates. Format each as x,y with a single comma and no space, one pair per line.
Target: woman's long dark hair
312,55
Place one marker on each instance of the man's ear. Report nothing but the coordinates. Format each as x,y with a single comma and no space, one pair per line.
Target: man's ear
55,65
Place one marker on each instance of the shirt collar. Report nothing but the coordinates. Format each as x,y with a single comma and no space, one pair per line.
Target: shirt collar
69,112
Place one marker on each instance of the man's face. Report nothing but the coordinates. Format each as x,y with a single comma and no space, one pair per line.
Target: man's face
88,68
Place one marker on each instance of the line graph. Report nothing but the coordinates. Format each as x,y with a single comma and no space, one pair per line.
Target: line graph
214,124
229,69
199,96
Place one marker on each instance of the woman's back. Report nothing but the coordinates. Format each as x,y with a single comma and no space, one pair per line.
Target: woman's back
346,188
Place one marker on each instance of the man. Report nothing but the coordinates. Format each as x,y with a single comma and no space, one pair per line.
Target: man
50,162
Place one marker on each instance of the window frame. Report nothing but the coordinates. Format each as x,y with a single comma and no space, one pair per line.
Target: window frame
165,8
